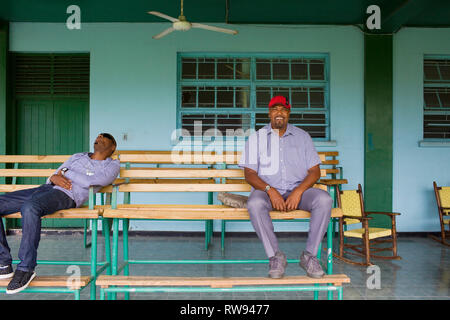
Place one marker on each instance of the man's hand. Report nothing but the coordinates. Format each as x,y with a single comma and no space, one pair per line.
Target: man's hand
293,200
61,181
276,199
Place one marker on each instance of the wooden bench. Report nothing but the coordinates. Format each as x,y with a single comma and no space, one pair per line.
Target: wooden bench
217,284
128,158
189,180
54,284
89,213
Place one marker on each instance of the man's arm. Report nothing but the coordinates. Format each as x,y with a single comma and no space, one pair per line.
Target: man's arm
296,195
58,179
256,182
101,179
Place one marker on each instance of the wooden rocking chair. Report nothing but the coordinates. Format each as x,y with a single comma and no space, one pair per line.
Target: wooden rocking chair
352,204
443,203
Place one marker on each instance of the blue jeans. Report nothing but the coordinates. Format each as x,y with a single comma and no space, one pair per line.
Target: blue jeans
33,204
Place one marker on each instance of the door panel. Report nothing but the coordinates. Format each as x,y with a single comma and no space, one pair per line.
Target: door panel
52,126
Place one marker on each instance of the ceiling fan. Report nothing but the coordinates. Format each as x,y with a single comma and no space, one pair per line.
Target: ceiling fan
181,24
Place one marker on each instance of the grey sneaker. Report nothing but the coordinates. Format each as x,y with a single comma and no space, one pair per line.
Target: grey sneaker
277,265
311,265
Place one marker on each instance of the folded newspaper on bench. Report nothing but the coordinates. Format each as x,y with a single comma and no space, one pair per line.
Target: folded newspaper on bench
233,200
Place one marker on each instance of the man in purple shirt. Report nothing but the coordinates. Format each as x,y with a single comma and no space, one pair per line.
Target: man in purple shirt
67,188
281,164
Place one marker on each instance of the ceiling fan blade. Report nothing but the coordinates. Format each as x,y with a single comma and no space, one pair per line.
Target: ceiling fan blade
207,27
162,15
164,33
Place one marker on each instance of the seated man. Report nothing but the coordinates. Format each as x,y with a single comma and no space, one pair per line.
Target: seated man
67,188
281,164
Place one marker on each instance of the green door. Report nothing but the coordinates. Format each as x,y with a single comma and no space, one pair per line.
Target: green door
52,127
51,101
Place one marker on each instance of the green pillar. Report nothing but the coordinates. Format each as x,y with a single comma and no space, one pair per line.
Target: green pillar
4,33
378,126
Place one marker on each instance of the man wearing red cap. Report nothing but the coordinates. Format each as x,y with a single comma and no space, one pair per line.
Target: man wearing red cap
281,164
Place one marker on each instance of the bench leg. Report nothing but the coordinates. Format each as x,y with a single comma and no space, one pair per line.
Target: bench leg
115,250
126,270
93,258
86,244
222,235
330,253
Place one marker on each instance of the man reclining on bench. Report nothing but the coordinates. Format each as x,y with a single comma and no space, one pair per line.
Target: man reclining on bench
281,164
67,188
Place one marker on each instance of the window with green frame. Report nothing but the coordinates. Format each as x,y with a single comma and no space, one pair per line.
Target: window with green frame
436,96
232,91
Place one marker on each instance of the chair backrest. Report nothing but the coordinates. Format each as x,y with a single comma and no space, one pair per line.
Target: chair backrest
442,197
352,204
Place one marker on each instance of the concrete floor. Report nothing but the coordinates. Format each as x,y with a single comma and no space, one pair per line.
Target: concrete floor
422,274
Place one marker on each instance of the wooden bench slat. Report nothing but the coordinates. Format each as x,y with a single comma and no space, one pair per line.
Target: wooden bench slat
33,158
16,187
186,173
172,187
168,212
74,213
26,172
106,281
53,281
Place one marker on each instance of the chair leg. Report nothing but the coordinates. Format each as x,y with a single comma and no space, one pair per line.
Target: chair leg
366,242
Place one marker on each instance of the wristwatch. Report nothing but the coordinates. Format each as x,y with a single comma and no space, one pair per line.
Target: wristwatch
266,189
64,170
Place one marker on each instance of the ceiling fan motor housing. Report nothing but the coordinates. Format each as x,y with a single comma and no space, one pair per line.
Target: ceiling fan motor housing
182,24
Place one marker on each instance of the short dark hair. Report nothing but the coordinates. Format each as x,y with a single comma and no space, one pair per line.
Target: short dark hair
110,137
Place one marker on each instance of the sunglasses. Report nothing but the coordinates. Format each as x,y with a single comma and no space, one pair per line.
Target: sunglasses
110,137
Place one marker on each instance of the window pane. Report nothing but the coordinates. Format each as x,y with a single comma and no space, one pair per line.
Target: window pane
436,126
188,68
299,70
225,97
225,69
431,100
233,122
299,98
262,97
281,70
198,123
316,70
242,97
263,69
280,92
206,69
206,97
436,70
242,68
188,97
316,98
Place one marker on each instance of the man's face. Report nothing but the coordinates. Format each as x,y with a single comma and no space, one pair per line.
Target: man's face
104,144
279,116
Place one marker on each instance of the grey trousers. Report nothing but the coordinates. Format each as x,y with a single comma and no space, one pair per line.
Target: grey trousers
314,200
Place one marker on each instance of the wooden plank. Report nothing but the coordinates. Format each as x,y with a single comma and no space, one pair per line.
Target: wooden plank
186,173
106,281
180,173
16,187
188,187
26,172
54,281
182,158
74,213
187,212
33,158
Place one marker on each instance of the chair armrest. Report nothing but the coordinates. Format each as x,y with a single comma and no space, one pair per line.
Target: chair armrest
118,184
385,213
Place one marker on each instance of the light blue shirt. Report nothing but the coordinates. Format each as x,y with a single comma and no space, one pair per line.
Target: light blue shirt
85,172
282,162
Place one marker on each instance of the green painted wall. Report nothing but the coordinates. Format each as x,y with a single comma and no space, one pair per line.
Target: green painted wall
378,123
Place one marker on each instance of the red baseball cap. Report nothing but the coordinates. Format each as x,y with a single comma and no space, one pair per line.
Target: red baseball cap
279,100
